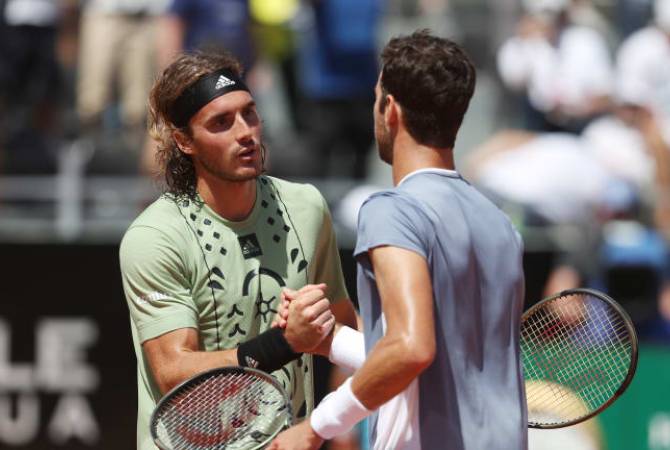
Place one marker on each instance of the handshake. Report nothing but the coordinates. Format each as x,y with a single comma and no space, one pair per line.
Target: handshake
306,319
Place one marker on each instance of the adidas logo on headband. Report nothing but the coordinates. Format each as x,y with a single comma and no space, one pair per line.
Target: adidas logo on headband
223,82
203,91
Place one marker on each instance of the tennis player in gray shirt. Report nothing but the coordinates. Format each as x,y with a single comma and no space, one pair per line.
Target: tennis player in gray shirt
440,282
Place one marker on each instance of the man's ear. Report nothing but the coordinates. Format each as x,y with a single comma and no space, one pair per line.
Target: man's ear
183,141
391,113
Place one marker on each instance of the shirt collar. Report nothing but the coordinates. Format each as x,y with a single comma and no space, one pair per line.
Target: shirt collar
450,173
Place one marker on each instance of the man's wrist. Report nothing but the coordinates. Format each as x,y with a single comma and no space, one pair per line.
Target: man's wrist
268,351
347,348
312,435
338,412
323,348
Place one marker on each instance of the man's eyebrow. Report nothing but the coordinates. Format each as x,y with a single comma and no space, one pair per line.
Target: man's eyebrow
224,114
219,115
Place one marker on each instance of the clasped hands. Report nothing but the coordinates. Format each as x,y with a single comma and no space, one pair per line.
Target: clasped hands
306,318
308,325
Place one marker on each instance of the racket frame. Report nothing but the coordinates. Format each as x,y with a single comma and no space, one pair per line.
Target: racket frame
633,341
197,379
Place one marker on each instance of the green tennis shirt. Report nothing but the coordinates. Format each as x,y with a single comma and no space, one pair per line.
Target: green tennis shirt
184,266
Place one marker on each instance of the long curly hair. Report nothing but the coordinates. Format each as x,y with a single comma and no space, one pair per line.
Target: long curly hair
176,167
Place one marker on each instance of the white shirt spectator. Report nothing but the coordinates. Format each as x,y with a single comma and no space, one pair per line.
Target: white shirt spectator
38,13
567,76
643,70
553,174
621,150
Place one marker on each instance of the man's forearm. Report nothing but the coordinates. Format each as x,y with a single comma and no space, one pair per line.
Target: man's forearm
389,368
176,357
186,363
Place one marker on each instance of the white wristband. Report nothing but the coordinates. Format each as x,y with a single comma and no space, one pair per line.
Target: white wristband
338,412
347,349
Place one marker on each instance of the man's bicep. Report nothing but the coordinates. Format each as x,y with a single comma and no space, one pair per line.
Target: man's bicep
166,348
170,357
404,283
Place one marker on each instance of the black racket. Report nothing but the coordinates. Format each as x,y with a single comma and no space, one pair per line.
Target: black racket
231,408
579,353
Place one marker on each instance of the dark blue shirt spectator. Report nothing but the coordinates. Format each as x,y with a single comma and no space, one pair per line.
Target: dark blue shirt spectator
339,54
216,23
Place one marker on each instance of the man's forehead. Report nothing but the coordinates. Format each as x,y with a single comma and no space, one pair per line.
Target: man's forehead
232,101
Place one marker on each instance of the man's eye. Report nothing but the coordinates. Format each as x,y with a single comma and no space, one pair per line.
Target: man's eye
251,115
223,120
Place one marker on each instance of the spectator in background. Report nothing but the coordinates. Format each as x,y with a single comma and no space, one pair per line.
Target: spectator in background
206,25
632,217
584,13
337,74
564,70
117,44
30,83
274,24
643,65
615,178
631,15
633,145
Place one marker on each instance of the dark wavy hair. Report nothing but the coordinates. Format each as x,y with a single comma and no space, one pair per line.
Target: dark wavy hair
176,167
433,80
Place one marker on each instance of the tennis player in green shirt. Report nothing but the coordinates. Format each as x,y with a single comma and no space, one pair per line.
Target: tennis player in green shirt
204,266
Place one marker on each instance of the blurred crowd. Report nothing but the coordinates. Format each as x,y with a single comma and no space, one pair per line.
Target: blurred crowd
580,151
588,160
82,70
580,156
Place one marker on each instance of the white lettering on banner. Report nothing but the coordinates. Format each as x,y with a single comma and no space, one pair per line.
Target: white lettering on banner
73,418
60,368
23,427
60,348
659,431
13,377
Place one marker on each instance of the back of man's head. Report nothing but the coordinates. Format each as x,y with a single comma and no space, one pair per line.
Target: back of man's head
433,80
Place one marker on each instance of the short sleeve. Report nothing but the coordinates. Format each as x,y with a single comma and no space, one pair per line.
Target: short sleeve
155,283
326,261
391,219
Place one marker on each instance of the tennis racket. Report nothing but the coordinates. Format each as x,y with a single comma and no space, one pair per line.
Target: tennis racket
231,408
579,354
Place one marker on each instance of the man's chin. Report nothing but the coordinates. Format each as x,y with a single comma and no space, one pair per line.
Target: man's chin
248,173
240,175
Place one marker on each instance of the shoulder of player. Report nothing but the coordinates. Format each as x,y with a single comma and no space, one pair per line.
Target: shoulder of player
393,199
291,192
159,214
160,221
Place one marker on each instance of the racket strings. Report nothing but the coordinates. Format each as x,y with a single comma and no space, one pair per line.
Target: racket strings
225,411
576,353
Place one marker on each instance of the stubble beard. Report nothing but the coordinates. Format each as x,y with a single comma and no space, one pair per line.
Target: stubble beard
384,145
212,169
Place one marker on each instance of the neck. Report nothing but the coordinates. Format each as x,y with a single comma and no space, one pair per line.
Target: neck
409,156
232,200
